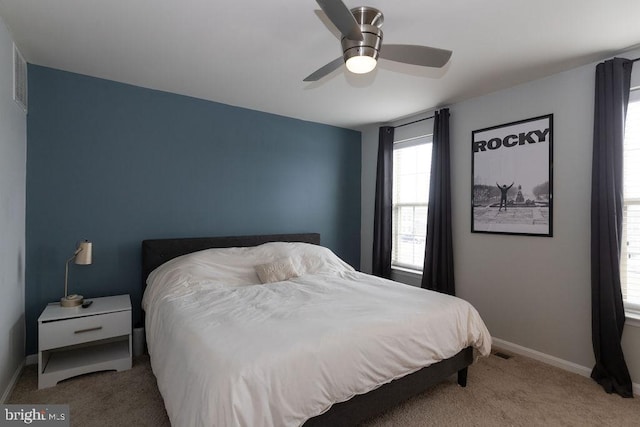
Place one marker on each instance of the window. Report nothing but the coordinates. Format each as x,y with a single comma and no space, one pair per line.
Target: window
630,257
411,173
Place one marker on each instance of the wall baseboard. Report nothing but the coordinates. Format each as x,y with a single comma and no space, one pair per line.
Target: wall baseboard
12,384
32,359
550,360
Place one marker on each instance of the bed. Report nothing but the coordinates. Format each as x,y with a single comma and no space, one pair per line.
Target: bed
306,350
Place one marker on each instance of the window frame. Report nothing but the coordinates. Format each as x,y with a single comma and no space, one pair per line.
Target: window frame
632,310
423,139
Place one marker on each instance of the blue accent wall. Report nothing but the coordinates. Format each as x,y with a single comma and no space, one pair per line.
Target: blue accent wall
116,164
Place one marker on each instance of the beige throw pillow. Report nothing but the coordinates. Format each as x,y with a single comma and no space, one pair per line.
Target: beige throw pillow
277,271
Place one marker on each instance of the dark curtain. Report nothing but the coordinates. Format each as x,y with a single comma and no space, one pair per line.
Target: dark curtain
437,273
613,79
383,211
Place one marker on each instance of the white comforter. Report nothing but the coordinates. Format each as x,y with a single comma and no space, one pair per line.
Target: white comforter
229,351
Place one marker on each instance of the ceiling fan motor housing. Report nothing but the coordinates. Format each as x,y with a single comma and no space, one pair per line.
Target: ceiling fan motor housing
370,21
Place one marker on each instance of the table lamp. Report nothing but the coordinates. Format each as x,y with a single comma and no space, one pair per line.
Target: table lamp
82,256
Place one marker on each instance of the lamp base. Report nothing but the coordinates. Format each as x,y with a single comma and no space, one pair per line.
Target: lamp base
71,300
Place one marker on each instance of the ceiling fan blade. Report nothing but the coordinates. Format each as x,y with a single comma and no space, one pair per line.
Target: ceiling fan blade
323,71
342,18
417,55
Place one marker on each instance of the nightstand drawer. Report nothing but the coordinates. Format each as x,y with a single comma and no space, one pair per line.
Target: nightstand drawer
63,333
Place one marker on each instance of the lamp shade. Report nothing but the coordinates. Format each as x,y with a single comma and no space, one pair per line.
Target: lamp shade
83,257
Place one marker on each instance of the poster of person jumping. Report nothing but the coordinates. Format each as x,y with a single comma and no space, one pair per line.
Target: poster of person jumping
512,178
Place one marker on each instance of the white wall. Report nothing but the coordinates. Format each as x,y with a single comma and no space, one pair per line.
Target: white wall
531,291
13,147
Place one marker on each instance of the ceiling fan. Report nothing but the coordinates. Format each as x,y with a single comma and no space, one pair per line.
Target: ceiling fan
362,42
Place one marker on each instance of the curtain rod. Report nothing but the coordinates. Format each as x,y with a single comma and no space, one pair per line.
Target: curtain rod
415,121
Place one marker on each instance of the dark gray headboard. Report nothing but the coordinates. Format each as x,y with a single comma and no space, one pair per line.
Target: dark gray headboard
158,251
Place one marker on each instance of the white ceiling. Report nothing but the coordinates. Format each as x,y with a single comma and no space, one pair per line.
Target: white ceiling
255,53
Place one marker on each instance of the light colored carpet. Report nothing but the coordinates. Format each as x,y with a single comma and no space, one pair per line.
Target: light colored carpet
514,392
126,399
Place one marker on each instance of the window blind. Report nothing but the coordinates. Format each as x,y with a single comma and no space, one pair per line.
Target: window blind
411,174
630,256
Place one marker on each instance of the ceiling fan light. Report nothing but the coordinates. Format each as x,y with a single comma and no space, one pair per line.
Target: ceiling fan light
361,64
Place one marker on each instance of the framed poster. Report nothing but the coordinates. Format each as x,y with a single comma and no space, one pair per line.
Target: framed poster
512,178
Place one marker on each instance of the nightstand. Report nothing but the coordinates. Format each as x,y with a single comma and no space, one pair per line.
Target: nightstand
75,341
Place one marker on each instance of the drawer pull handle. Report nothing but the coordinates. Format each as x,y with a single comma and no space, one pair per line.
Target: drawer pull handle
97,328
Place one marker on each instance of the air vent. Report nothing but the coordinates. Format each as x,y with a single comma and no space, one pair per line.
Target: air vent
502,355
19,79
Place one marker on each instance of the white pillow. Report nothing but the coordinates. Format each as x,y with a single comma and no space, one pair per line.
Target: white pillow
277,271
233,267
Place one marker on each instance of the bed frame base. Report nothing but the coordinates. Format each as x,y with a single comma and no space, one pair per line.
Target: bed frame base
462,377
364,406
